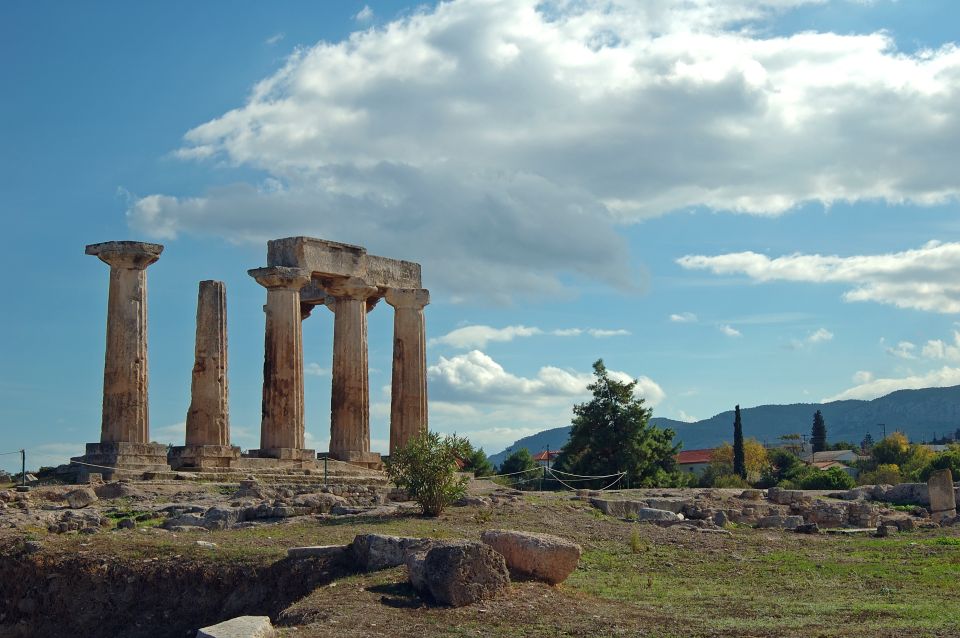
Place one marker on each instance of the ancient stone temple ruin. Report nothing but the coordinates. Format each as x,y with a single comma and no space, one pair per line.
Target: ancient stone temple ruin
301,274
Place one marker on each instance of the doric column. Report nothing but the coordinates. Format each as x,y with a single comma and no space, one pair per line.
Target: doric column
350,392
282,413
208,421
408,392
126,415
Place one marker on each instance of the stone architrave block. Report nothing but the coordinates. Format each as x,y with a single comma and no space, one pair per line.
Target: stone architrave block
943,500
240,627
541,556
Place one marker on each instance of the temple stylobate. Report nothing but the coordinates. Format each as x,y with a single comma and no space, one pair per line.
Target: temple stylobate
304,272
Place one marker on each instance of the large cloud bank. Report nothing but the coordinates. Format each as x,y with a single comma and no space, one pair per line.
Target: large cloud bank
501,141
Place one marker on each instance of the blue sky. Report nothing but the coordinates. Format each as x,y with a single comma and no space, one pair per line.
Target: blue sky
751,202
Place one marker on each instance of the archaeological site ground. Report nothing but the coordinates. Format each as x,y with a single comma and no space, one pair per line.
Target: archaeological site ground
203,539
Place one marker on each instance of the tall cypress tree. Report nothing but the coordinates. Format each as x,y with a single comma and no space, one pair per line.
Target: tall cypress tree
739,459
818,433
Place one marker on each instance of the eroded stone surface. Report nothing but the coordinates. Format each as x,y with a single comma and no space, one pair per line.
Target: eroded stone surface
943,500
240,627
541,556
458,573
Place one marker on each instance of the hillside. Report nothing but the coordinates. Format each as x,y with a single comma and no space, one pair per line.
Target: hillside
920,414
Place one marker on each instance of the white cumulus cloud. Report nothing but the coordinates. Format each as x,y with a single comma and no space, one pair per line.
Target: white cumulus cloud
500,141
819,335
683,317
922,278
479,336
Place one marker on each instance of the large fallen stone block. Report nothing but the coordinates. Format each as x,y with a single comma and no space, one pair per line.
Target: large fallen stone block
781,496
458,573
906,494
777,521
675,505
620,509
332,552
373,552
541,556
651,515
240,627
81,497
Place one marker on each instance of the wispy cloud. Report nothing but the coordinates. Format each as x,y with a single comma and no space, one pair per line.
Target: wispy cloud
276,38
478,336
316,370
364,15
683,317
730,331
921,279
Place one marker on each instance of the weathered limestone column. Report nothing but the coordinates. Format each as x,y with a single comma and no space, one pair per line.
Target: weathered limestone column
282,427
408,392
208,419
350,392
126,416
124,448
943,500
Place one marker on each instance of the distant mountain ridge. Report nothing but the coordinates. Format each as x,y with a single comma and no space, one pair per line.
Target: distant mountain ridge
920,414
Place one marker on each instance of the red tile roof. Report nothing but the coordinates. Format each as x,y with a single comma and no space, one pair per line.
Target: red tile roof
688,457
547,455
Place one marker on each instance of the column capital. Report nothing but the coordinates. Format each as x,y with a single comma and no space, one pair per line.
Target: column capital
280,277
351,287
414,298
131,255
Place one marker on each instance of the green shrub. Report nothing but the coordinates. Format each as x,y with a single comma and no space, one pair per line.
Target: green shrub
887,474
730,480
832,479
948,460
426,467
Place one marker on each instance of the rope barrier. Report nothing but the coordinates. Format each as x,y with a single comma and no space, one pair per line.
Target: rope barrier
570,487
585,476
105,467
8,453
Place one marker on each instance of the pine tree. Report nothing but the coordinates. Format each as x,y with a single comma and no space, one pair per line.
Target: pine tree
612,433
866,443
739,458
818,433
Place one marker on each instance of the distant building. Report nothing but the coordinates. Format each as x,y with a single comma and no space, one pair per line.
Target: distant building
842,456
827,465
694,461
546,458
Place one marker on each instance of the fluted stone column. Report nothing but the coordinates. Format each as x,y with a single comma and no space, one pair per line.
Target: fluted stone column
126,416
282,426
208,419
125,426
408,391
350,393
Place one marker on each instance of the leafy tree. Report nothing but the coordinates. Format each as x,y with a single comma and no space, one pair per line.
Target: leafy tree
519,461
755,459
883,475
949,459
818,433
739,459
893,450
782,465
426,467
793,443
476,461
611,433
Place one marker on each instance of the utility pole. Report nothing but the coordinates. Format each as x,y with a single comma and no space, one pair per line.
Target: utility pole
883,427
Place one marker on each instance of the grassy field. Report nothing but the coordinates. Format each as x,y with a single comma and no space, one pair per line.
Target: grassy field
633,579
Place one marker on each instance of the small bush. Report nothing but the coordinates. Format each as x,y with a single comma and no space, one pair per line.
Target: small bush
636,545
832,479
887,474
426,467
730,480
